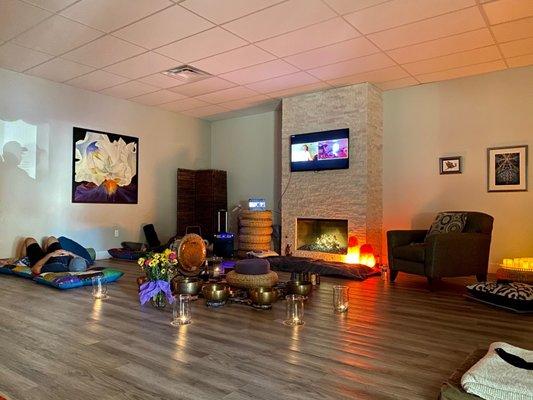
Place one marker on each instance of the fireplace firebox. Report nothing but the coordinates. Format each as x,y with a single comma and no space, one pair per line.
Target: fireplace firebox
322,235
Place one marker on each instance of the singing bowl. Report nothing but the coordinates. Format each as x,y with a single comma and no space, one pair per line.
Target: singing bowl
215,292
263,296
300,288
186,285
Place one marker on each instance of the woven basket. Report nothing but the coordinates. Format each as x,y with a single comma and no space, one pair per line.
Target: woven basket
254,246
246,214
256,223
255,231
515,275
251,281
255,238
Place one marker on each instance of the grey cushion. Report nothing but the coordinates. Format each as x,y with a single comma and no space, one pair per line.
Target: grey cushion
412,252
446,222
252,266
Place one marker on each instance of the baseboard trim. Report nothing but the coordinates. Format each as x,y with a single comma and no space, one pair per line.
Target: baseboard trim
102,255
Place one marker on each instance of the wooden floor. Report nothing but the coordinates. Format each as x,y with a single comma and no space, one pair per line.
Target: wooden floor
397,341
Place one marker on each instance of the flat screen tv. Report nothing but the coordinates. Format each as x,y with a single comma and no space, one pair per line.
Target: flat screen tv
320,151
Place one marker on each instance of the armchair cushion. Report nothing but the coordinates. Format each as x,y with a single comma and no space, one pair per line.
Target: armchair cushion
411,252
446,222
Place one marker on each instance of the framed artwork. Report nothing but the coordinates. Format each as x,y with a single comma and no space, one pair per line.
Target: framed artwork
507,169
450,165
105,167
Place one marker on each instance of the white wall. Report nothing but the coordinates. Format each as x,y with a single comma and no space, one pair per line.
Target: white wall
43,206
459,117
248,149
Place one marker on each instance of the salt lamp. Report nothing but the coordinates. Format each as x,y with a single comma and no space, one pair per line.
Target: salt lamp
367,255
352,241
352,256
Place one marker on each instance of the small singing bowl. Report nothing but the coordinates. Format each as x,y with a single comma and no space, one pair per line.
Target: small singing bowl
186,285
215,292
300,288
263,296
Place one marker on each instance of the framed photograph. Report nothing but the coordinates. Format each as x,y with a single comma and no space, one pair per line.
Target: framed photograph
105,167
450,165
507,169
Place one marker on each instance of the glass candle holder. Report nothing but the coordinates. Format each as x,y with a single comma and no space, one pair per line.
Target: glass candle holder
295,310
340,298
181,310
99,283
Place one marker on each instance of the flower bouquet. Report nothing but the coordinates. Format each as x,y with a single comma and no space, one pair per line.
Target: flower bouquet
159,269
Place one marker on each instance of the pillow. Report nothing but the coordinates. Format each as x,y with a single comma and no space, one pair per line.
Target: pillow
447,222
70,280
515,295
125,254
252,266
76,248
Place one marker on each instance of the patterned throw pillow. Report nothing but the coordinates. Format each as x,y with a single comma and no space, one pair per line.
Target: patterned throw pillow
447,222
515,295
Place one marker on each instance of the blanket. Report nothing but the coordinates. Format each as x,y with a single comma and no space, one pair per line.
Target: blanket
493,378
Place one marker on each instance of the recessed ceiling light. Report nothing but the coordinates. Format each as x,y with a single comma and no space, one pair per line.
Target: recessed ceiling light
187,73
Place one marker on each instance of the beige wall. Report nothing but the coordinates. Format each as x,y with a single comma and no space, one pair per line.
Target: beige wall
42,206
459,117
248,149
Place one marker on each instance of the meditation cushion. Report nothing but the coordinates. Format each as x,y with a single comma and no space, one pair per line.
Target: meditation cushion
70,280
76,248
252,266
517,296
245,281
125,254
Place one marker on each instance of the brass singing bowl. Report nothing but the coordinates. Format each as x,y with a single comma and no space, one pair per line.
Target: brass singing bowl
263,296
186,285
215,292
299,288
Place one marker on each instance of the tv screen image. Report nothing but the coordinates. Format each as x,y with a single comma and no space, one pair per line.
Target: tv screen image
319,151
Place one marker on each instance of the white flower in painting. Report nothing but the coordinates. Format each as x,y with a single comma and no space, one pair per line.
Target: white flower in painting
101,161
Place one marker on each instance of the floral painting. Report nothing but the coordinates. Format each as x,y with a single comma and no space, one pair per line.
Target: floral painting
105,167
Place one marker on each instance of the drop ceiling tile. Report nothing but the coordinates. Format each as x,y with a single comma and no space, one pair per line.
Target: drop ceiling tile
183,105
245,103
57,35
104,51
142,65
443,46
347,6
18,58
397,83
110,15
97,80
380,75
204,86
520,61
517,48
221,96
462,71
334,53
223,11
508,10
129,89
470,57
202,45
52,5
351,67
161,81
59,70
513,30
281,18
157,98
313,87
270,69
233,59
318,35
205,111
164,27
444,25
16,17
283,82
400,12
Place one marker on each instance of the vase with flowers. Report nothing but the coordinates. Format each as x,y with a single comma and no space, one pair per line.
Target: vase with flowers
159,268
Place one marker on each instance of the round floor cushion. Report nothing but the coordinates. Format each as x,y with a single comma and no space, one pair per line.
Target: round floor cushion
247,214
252,266
245,281
255,231
255,223
255,238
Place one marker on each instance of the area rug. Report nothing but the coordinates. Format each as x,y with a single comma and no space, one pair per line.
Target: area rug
324,268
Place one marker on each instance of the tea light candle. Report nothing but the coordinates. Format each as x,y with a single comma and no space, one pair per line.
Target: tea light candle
522,264
99,287
181,310
217,270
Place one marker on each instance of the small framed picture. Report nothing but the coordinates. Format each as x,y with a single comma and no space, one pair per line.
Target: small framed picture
450,165
507,169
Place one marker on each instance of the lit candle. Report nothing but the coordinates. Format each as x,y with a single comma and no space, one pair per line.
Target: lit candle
216,271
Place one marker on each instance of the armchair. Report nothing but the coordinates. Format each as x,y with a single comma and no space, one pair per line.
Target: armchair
442,255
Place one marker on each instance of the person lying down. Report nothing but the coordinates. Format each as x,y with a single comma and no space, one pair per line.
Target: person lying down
52,257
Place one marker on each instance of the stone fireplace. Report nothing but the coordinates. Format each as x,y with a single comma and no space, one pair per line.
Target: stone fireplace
337,203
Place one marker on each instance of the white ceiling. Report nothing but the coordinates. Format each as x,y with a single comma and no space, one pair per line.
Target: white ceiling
259,50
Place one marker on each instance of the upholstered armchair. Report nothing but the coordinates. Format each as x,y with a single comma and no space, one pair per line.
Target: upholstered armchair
445,254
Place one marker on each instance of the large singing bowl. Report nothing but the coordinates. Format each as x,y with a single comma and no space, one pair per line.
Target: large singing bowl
186,285
263,296
191,254
215,291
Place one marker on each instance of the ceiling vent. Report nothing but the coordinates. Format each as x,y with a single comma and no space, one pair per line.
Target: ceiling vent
187,73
